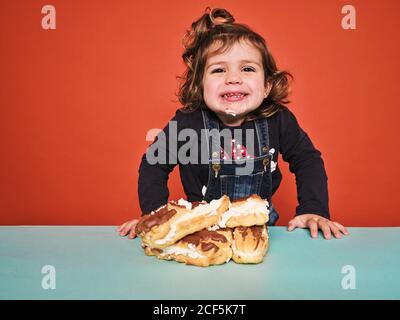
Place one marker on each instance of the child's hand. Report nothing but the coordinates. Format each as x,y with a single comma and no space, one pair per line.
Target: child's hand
315,222
128,228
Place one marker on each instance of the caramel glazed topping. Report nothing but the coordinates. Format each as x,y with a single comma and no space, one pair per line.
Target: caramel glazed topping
149,221
204,235
160,216
255,230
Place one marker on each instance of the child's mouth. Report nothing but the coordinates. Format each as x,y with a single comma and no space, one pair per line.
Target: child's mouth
234,97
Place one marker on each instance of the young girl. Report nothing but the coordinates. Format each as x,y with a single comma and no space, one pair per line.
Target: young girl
232,85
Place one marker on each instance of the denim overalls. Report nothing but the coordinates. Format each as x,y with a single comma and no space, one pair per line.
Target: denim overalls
224,175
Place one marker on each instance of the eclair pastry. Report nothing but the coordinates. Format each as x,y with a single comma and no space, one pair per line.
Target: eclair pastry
202,248
249,211
173,221
250,244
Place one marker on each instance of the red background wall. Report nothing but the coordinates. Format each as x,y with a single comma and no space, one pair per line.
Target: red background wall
77,102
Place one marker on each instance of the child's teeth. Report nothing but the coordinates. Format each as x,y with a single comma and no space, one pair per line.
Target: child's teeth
233,95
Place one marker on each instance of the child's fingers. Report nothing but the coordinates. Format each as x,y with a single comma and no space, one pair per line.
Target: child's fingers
125,230
335,230
342,228
326,230
129,228
292,225
312,224
132,224
121,226
132,234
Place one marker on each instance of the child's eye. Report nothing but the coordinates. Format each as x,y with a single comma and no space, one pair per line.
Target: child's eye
216,70
248,68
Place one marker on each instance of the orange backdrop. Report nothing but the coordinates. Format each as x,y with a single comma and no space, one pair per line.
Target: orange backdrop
77,102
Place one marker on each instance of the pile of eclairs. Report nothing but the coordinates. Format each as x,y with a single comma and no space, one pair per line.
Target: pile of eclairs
204,234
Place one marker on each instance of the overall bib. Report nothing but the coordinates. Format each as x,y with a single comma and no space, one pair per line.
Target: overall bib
224,175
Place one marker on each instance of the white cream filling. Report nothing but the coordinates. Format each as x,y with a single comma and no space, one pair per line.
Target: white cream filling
249,207
169,236
213,228
186,204
208,209
190,251
242,254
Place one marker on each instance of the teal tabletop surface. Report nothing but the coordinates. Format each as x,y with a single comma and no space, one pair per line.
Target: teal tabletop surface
87,262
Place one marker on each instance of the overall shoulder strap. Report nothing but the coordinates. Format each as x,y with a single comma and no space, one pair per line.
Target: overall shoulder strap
211,129
262,136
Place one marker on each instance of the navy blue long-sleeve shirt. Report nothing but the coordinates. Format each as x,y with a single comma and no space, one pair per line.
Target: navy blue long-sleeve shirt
285,136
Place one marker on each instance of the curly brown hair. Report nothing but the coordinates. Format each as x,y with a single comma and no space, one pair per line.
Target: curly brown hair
219,25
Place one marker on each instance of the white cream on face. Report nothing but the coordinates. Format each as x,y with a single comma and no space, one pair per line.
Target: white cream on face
230,112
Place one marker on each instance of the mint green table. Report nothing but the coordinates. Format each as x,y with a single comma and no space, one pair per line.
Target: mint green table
96,263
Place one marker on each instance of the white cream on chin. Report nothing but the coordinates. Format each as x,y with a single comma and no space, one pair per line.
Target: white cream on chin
230,112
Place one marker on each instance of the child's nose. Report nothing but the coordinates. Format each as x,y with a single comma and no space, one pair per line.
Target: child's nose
233,77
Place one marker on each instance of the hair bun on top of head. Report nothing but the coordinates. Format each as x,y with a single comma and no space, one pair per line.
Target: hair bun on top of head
211,18
219,16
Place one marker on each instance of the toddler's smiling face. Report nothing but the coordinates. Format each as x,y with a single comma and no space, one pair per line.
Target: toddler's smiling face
233,82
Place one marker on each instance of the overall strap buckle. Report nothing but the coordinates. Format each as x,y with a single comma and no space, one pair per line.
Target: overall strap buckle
216,167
